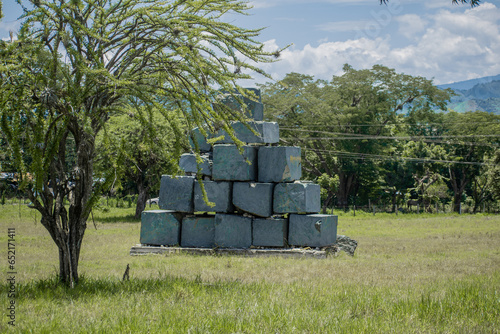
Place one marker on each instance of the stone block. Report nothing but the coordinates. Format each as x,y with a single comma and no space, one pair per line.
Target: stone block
188,164
160,227
254,108
315,230
176,193
296,198
270,232
217,192
203,145
233,231
254,198
230,165
279,164
268,133
198,231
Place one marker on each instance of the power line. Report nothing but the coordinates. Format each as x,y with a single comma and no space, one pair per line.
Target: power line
433,141
387,157
362,136
388,124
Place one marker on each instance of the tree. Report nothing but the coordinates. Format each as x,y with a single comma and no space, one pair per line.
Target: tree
426,170
139,150
342,124
494,175
471,138
76,63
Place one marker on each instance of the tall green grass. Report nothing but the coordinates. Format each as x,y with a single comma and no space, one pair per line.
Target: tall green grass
410,274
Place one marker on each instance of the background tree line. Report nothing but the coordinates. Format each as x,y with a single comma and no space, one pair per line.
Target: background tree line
378,136
368,136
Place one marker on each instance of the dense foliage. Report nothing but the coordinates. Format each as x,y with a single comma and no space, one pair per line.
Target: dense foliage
75,64
381,137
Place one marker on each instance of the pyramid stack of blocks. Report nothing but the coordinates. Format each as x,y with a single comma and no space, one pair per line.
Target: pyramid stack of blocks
262,203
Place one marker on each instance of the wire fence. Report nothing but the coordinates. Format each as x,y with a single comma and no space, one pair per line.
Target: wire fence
491,208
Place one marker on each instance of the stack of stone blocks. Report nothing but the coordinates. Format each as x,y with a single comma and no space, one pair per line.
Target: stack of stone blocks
258,197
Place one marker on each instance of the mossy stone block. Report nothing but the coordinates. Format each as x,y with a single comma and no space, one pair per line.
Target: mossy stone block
296,198
233,231
160,227
316,230
176,193
218,192
254,198
189,164
254,107
230,165
267,133
270,232
198,231
201,140
279,164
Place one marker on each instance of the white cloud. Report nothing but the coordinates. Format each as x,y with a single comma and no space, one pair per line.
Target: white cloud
410,25
327,59
448,46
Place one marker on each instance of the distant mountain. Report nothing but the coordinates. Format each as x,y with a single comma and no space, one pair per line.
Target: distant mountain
476,94
468,84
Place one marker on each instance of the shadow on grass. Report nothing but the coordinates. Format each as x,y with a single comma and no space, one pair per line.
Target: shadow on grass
87,287
117,219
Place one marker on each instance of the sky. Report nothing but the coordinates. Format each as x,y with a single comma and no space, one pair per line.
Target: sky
429,38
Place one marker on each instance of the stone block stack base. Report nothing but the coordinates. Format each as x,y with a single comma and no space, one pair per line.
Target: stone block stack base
257,196
160,227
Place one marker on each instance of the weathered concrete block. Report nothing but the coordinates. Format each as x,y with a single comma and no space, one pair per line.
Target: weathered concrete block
198,231
270,232
233,231
279,164
315,230
296,198
176,193
230,165
203,145
268,133
188,164
254,198
217,192
254,108
160,227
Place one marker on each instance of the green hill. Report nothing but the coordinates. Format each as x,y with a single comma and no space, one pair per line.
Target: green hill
478,94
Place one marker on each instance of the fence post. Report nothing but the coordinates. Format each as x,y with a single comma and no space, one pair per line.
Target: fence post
460,208
354,210
418,208
374,209
396,209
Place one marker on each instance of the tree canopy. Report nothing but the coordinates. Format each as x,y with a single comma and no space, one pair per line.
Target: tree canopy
340,123
77,63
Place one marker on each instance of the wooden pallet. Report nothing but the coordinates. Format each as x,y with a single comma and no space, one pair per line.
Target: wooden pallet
287,252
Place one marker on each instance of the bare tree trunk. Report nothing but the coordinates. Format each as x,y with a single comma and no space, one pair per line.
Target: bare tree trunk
394,197
346,182
67,226
141,198
327,201
458,185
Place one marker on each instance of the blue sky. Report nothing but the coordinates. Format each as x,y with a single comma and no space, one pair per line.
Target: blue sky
430,38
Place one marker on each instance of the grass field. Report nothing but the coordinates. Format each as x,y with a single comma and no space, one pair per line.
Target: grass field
410,274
